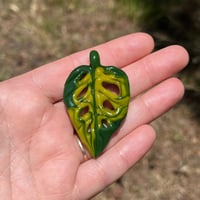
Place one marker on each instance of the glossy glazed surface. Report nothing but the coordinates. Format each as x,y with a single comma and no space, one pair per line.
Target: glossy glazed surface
97,99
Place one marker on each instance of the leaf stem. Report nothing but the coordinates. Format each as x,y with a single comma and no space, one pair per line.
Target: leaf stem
94,59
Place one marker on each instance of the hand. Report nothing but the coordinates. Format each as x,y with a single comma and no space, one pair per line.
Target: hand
39,155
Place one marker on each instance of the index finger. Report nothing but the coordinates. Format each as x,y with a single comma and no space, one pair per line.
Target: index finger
119,52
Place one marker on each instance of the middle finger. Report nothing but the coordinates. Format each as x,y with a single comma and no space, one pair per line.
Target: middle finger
155,68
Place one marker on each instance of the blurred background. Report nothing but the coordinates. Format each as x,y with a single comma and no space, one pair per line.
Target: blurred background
35,32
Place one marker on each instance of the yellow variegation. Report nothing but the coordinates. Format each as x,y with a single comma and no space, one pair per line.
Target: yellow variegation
97,99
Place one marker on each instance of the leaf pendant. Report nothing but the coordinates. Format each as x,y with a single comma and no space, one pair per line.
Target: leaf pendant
97,99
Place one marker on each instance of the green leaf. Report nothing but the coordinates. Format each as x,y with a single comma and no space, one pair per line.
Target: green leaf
97,99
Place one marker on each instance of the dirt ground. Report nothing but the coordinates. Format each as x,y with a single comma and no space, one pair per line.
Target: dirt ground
36,32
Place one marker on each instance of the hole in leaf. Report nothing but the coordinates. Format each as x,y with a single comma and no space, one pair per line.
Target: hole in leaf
104,123
108,105
82,76
84,111
89,128
82,93
111,87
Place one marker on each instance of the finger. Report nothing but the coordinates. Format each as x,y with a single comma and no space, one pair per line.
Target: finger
150,106
155,68
114,163
120,52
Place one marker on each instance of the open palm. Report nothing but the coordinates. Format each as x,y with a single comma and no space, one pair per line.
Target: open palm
39,155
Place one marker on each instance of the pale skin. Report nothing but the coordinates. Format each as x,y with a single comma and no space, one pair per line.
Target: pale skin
39,155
